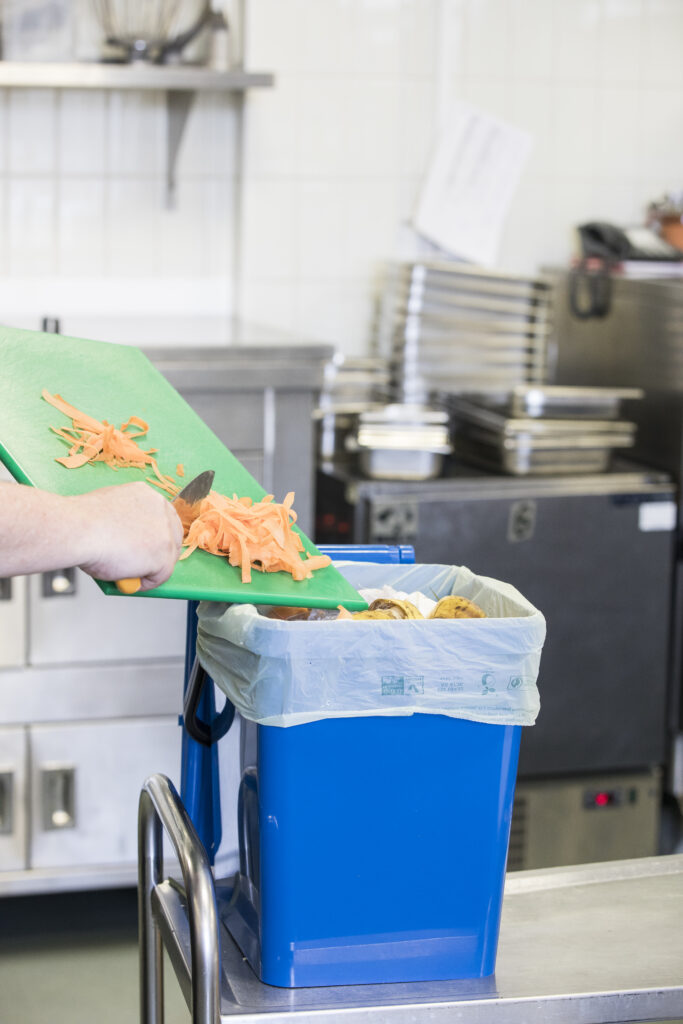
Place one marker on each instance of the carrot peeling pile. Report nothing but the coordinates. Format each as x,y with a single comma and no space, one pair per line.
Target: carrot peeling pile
95,441
253,535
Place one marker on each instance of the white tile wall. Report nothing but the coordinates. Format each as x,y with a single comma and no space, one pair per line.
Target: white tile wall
332,158
597,82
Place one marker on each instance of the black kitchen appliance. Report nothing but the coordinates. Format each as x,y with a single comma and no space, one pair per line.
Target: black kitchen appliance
638,343
595,554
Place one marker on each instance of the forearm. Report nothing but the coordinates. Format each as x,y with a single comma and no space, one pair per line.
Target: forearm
40,531
112,533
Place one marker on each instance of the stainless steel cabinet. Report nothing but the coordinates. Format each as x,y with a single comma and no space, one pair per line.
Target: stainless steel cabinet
86,778
12,622
72,621
13,794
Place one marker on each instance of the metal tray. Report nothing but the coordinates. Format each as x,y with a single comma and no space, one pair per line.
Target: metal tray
529,461
468,413
557,402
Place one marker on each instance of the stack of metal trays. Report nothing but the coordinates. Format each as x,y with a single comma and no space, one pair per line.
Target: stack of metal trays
462,329
553,401
351,386
401,442
516,434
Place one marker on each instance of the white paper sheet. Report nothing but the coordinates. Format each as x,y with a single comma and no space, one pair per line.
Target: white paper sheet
470,184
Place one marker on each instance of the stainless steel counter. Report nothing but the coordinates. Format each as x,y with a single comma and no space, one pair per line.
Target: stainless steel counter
586,944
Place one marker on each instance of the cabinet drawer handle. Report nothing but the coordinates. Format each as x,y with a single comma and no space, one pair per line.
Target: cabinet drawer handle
6,803
57,790
59,583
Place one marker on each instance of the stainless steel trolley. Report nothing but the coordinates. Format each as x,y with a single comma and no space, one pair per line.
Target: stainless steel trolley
593,943
588,944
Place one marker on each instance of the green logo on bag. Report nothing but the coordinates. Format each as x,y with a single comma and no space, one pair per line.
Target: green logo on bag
488,683
402,685
516,683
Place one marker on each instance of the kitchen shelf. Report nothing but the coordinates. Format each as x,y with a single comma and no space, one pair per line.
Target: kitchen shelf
168,78
180,83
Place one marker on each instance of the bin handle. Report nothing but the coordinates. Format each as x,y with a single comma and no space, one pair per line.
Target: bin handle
204,732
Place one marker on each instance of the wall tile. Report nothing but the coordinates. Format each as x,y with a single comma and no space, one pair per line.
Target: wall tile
419,27
575,134
4,129
662,28
270,230
376,42
487,50
81,227
372,225
323,220
337,313
220,229
578,39
133,235
326,37
136,135
660,148
31,226
182,232
4,230
532,40
32,131
417,125
620,200
210,138
493,97
372,118
270,303
532,109
622,36
82,132
324,126
273,34
271,129
525,233
571,201
617,148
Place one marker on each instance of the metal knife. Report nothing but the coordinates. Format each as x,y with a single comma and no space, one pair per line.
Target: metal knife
187,504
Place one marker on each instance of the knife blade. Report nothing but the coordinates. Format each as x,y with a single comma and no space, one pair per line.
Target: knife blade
187,504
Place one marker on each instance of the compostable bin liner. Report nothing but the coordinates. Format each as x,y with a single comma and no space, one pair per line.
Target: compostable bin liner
287,673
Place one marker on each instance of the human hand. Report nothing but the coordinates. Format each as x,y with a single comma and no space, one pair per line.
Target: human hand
130,531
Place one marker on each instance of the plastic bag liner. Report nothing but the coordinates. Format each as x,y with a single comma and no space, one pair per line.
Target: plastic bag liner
287,673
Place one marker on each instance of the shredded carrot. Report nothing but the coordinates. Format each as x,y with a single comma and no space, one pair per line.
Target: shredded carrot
92,440
253,535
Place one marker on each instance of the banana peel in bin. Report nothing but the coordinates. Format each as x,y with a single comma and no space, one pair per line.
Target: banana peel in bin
115,382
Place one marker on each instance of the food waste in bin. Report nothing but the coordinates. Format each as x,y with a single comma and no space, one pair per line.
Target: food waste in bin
375,822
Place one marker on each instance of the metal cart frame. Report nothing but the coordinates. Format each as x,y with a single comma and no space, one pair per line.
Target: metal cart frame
591,944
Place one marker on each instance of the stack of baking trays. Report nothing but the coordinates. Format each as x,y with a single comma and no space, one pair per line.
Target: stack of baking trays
541,429
461,328
351,386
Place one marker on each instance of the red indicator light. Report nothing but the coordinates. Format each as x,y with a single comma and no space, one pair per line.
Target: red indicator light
602,799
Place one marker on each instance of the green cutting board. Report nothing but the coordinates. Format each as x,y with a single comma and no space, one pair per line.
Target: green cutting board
114,382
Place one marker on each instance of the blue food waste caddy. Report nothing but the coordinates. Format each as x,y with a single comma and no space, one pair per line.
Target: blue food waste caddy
373,847
373,850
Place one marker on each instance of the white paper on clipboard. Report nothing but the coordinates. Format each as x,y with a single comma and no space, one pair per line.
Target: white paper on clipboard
470,183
